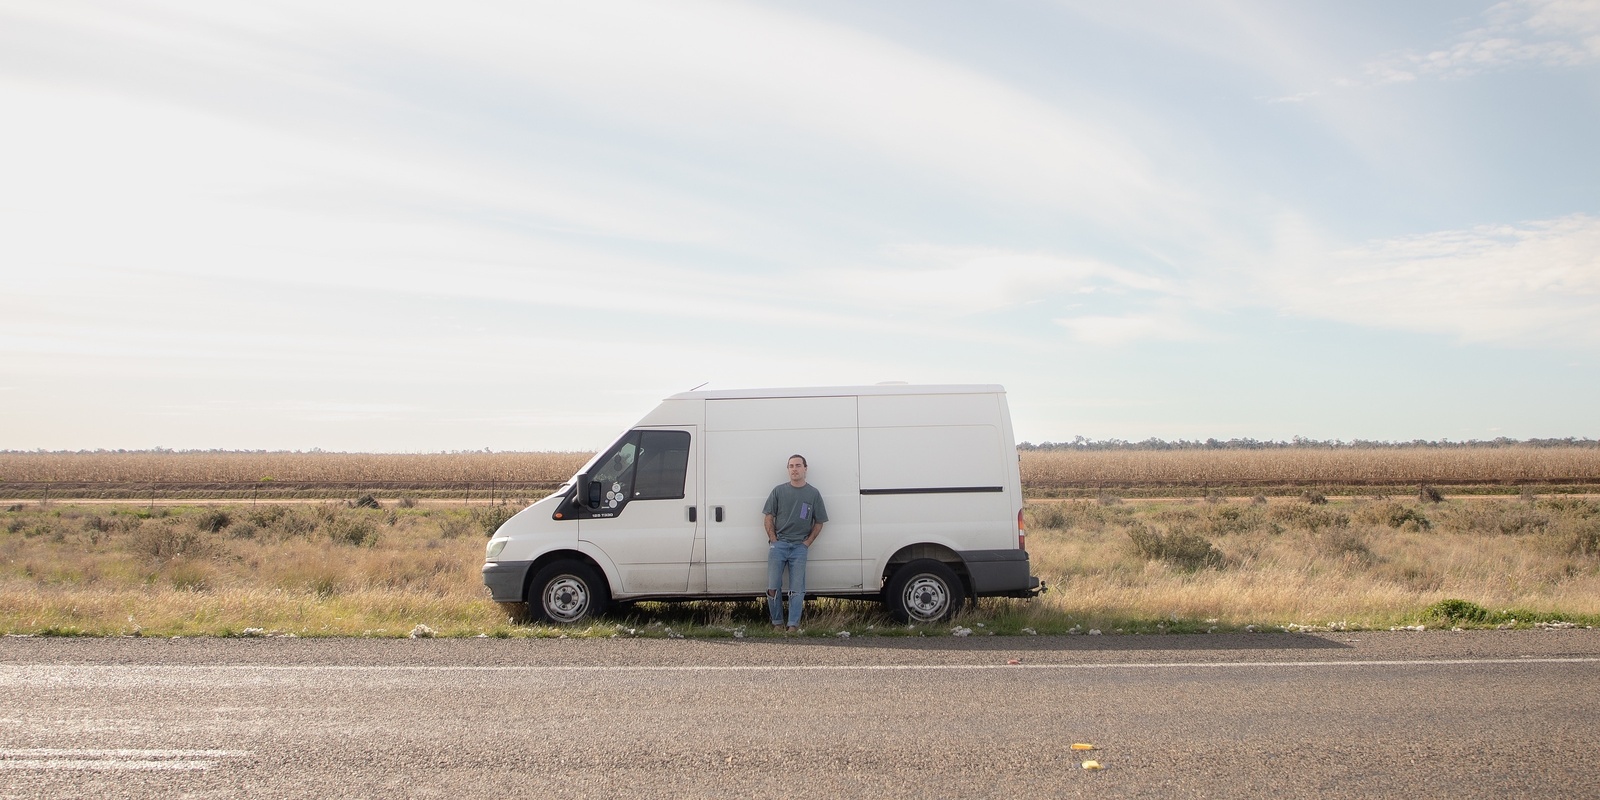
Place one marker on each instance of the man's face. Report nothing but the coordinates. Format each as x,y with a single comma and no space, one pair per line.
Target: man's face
797,470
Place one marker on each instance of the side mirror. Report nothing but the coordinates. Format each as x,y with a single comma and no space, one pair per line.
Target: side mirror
594,494
580,483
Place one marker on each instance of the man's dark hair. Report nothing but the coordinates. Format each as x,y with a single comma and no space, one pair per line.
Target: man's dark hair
795,456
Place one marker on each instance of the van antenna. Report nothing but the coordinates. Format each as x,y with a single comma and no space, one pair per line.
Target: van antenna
697,388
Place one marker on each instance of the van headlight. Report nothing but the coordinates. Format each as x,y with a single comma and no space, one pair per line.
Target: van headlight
495,546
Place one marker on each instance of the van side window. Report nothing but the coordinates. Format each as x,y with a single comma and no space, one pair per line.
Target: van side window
616,472
663,462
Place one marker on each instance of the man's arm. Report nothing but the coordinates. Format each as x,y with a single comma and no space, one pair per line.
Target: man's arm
772,531
819,515
816,528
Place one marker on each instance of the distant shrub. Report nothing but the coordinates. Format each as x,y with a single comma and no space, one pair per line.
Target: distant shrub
1428,494
1343,543
1187,550
1046,515
356,531
1314,518
1583,541
492,518
455,527
213,520
1258,500
1081,515
1392,514
1107,499
266,516
296,525
407,502
1510,519
366,501
1313,497
1574,507
167,539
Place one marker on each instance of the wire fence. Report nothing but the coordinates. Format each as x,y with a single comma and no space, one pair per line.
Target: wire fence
488,492
495,491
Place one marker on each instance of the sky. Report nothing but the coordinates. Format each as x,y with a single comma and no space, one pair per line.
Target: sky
413,227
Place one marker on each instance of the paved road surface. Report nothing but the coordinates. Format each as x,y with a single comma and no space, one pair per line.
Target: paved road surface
1436,714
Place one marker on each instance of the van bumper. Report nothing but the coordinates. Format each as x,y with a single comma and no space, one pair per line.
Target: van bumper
506,580
1001,573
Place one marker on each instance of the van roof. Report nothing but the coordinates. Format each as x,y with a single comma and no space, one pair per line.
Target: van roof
843,391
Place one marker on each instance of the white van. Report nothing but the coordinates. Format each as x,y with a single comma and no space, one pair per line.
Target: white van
921,483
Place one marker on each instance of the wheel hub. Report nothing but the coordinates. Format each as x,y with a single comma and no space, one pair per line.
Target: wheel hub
566,598
926,597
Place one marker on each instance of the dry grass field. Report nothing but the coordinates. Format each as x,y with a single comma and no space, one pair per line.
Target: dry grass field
1044,473
310,569
328,569
1366,563
253,467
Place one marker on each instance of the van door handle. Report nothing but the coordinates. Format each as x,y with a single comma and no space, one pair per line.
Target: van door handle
719,513
693,513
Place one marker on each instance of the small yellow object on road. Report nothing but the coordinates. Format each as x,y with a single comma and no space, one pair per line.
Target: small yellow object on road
1092,765
1082,746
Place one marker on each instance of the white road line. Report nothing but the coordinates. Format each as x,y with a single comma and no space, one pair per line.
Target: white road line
79,752
124,759
19,670
80,764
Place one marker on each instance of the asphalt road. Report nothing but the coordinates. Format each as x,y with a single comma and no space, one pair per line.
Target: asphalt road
1435,714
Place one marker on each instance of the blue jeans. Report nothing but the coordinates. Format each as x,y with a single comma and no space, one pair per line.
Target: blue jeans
792,555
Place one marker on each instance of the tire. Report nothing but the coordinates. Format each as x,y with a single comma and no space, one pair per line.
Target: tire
567,591
924,591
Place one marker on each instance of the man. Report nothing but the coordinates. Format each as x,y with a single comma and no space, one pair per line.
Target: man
794,515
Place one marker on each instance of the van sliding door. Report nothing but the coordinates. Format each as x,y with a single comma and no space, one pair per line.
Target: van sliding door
748,442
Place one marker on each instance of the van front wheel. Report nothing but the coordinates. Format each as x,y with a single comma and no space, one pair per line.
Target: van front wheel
924,591
565,592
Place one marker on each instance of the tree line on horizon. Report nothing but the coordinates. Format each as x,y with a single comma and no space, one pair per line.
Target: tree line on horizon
1084,444
1078,443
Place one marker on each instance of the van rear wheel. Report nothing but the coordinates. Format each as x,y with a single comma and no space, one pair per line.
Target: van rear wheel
924,591
565,592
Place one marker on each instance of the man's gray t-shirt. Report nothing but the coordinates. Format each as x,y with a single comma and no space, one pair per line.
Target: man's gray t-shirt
794,511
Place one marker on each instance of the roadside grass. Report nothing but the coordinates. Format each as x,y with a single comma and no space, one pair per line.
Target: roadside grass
331,569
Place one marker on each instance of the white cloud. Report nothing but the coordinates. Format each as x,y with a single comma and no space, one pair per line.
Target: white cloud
1127,329
1537,282
175,182
1550,33
1299,97
742,78
971,280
